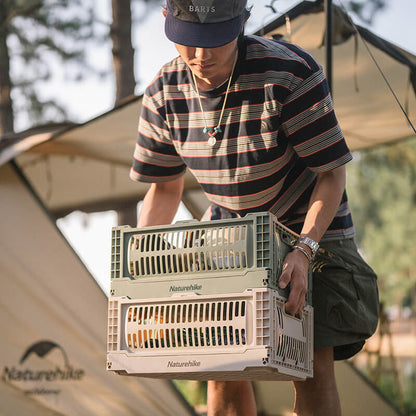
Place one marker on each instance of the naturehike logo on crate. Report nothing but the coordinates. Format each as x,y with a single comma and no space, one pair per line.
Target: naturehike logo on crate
185,288
189,363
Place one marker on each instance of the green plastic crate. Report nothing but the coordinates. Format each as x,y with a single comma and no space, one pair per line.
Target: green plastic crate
209,257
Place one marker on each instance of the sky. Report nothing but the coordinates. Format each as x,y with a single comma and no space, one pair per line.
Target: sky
90,234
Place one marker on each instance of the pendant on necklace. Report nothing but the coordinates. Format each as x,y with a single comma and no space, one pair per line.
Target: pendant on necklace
212,139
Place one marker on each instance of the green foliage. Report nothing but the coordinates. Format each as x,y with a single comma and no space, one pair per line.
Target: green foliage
398,388
41,35
409,395
195,392
382,192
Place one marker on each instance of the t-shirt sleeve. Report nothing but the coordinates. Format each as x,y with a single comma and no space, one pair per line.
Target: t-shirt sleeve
309,122
155,158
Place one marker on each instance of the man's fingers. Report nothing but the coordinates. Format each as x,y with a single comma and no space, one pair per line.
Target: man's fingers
296,300
284,277
283,282
293,306
295,275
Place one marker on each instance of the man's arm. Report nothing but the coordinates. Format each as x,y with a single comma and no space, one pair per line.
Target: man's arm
161,203
323,206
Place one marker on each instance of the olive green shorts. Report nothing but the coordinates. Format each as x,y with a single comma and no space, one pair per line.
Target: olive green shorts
344,297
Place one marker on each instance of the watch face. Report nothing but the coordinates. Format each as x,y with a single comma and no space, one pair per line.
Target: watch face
313,245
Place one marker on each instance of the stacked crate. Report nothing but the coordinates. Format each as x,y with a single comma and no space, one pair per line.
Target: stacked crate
200,300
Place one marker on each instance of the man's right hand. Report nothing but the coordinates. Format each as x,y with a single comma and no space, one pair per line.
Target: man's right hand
295,272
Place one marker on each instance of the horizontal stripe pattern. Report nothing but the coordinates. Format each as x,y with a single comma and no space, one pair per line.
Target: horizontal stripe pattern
279,131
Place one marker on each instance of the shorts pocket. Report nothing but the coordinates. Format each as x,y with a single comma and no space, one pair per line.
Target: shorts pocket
345,296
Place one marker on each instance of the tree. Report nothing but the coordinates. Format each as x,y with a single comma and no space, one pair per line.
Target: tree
123,52
6,109
123,63
366,9
32,34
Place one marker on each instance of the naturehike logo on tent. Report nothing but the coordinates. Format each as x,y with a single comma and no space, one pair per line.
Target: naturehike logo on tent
40,375
41,349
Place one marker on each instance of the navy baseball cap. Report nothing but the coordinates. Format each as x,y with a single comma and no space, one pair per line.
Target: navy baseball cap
204,23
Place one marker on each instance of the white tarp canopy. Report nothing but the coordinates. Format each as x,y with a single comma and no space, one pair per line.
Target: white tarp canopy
367,110
53,324
85,167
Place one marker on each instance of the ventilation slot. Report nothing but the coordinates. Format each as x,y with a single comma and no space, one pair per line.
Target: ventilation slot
186,325
178,252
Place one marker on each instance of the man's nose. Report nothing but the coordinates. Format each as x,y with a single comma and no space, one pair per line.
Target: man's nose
202,53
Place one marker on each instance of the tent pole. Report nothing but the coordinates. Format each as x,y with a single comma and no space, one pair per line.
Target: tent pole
328,41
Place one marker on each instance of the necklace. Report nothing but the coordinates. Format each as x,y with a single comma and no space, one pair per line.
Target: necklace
212,132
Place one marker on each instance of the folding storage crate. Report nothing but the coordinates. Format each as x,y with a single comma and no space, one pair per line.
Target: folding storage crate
200,300
233,336
208,257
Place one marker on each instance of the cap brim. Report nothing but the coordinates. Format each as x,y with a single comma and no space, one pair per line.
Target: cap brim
206,35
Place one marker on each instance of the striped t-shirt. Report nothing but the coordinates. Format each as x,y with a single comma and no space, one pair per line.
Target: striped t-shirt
278,131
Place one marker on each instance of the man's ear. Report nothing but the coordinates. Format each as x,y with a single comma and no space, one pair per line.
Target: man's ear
165,12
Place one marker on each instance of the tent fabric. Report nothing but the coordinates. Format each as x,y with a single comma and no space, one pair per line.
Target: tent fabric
366,109
355,392
85,167
343,29
13,401
12,144
54,324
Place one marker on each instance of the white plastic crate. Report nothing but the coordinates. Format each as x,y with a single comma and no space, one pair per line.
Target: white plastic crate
234,336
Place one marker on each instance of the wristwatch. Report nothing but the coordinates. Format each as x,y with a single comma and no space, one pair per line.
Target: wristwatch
313,245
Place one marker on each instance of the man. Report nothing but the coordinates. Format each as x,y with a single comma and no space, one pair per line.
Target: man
253,120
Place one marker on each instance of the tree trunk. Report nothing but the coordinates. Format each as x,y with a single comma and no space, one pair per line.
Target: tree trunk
123,52
123,62
6,109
